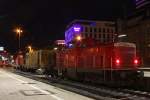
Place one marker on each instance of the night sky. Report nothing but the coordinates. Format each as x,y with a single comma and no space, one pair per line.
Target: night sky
44,21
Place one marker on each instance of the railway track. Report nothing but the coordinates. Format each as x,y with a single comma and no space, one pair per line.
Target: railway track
96,92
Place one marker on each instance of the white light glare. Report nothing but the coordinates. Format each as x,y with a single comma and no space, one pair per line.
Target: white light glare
122,35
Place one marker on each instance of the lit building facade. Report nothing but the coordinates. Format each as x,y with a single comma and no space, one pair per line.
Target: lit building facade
60,42
101,31
141,3
59,45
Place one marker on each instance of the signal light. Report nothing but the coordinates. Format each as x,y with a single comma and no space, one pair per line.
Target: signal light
135,61
117,61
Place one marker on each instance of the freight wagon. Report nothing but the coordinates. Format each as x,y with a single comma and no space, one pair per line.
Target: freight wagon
38,60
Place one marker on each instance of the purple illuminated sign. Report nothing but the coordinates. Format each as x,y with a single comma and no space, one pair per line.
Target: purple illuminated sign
72,32
77,29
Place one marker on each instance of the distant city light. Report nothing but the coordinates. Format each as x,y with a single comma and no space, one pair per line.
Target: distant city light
55,48
60,42
1,48
70,45
11,56
12,61
4,58
21,56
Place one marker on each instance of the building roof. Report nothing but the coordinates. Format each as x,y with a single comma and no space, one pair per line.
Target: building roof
89,22
142,3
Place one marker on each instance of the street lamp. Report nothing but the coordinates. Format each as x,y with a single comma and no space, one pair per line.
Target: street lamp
19,31
78,38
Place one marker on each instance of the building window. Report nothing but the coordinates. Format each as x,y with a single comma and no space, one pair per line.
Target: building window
83,35
104,30
86,29
104,40
91,35
104,36
108,30
112,31
112,37
99,35
95,36
100,30
95,30
108,38
82,29
86,35
91,29
108,35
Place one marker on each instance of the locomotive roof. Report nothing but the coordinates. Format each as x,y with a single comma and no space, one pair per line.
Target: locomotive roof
110,45
125,44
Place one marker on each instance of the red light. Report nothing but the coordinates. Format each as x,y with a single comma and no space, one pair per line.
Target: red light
117,61
135,61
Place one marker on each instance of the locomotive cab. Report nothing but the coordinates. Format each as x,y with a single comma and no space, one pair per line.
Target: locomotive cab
125,56
125,63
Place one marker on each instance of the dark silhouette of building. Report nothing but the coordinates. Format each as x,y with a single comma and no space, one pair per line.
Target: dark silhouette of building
137,28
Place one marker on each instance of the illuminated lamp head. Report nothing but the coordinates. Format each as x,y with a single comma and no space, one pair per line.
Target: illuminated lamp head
78,38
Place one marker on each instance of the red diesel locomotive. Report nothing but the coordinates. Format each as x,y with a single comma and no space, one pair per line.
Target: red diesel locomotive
111,62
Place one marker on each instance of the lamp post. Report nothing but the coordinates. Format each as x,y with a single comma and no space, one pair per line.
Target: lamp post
19,31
